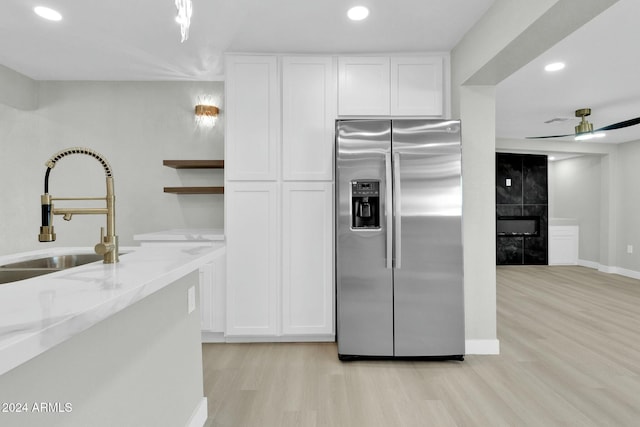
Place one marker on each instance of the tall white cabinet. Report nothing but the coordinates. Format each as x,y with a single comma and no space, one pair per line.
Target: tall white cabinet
279,202
252,118
308,115
253,274
279,145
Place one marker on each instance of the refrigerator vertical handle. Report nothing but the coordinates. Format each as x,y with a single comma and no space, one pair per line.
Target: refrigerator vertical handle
397,210
388,200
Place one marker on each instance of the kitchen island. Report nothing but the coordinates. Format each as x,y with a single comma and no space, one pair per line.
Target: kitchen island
104,344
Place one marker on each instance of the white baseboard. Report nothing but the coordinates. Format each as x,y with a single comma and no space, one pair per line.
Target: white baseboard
607,269
482,347
199,416
212,337
471,346
610,269
589,264
284,338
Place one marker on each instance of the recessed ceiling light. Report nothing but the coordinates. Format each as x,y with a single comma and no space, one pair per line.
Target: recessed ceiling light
46,13
358,13
556,66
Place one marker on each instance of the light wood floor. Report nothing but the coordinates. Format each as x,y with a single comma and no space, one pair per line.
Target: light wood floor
570,356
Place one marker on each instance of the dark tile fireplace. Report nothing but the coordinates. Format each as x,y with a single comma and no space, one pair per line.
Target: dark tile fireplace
521,209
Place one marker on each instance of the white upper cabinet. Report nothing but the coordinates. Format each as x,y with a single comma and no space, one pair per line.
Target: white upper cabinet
417,86
363,86
396,86
308,114
252,117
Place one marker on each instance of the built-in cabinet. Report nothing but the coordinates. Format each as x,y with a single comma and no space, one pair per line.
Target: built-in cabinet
212,296
307,263
279,194
308,115
252,230
563,244
364,86
252,128
279,224
396,86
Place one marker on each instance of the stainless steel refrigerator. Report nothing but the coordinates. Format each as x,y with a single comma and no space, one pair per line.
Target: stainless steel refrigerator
399,270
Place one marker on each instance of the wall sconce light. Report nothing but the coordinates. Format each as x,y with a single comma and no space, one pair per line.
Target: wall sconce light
206,115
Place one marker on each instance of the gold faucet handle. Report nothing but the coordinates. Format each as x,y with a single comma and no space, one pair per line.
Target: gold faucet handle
103,247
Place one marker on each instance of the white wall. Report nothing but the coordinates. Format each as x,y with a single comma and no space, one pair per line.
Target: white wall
574,190
509,35
628,212
17,90
135,125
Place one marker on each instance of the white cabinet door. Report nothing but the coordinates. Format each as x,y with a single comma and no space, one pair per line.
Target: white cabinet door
363,86
307,220
417,86
252,117
308,114
212,295
252,258
563,244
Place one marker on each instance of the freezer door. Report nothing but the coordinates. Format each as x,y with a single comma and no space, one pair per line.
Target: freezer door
363,264
428,278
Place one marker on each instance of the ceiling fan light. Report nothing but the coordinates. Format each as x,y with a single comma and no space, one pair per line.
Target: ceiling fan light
589,135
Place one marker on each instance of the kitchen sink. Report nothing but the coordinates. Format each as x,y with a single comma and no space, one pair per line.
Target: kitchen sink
39,266
56,262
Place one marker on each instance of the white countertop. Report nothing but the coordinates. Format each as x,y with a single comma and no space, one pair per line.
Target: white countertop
563,221
183,235
39,313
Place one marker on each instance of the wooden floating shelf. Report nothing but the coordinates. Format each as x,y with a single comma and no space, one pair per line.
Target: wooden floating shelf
194,190
194,164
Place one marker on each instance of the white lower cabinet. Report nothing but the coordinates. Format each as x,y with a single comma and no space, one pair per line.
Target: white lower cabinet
307,260
252,258
212,284
212,295
279,261
563,244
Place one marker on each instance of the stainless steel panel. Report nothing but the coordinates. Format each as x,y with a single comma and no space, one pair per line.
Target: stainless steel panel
364,284
428,285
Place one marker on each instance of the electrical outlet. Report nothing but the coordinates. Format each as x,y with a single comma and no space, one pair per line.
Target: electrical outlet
191,299
629,249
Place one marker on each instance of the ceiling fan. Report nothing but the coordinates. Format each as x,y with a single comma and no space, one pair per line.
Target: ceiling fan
584,130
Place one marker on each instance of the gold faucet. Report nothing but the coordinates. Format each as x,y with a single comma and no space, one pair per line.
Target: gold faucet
108,244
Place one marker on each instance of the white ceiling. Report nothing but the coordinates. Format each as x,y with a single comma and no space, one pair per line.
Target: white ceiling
602,73
139,40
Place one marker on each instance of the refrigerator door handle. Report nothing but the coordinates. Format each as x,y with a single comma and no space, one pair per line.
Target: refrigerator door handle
388,210
397,211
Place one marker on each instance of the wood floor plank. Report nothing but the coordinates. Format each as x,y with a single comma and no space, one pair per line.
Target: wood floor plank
570,356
